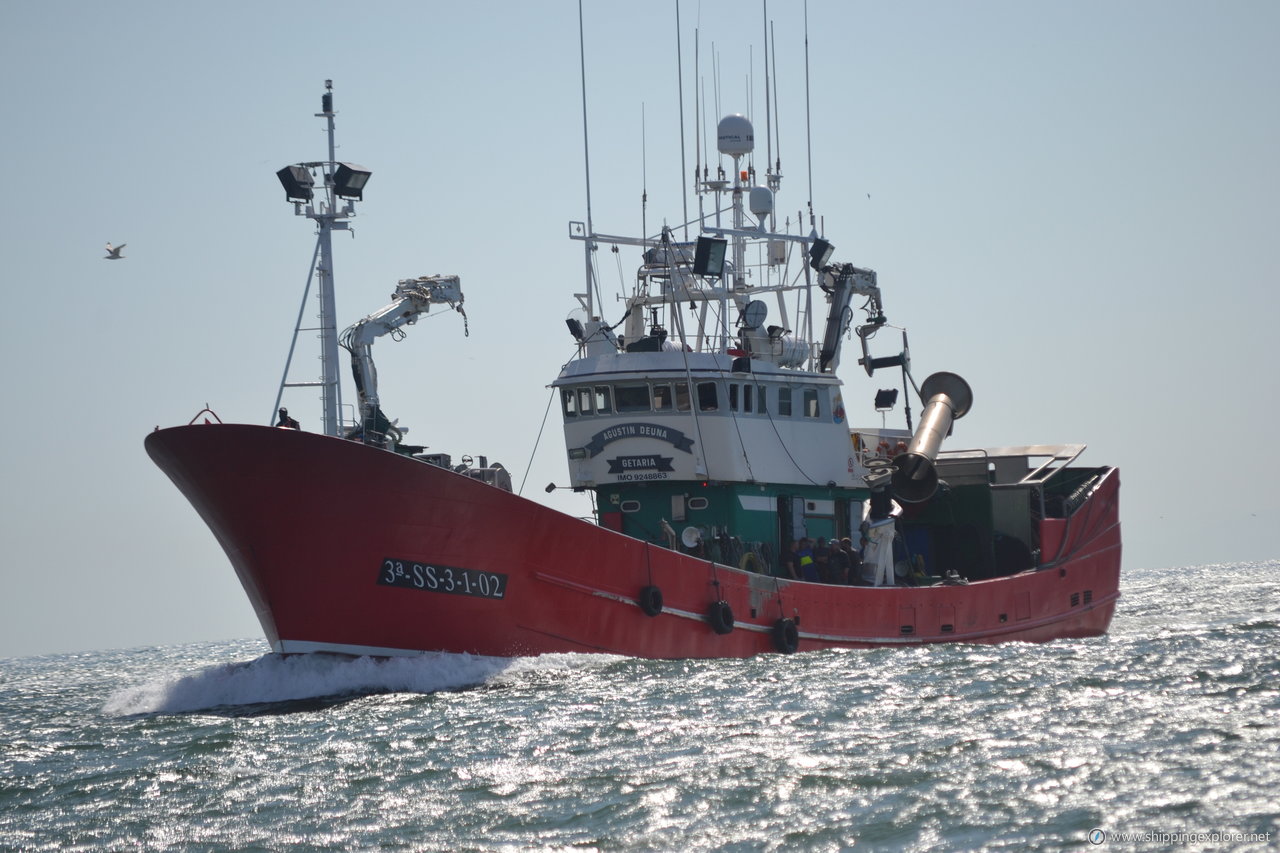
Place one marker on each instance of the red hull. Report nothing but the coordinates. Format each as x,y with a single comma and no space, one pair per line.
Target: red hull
309,522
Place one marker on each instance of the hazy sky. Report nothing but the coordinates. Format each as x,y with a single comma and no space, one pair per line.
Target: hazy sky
1072,205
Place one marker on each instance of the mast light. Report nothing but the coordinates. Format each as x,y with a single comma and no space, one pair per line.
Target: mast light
708,257
349,180
297,183
820,253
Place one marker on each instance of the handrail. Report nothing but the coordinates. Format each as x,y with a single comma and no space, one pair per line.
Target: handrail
201,412
1063,453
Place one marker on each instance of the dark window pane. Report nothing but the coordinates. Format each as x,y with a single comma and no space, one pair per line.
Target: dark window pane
631,398
707,400
810,403
662,397
682,396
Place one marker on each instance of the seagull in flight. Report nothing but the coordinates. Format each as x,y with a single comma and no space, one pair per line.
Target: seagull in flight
113,252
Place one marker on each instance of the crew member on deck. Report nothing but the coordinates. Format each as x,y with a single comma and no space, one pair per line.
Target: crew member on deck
808,568
286,421
822,559
838,561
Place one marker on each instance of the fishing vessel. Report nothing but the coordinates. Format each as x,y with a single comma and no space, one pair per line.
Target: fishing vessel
709,425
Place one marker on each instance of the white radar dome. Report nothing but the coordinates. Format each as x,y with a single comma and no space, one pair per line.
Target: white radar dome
735,135
761,201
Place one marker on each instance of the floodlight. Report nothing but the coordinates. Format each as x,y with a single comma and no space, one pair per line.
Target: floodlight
297,183
820,253
349,180
886,398
708,257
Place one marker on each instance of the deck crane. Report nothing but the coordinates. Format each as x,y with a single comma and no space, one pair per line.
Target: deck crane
413,297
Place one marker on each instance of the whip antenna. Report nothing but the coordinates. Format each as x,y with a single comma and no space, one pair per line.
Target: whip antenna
586,159
684,176
808,122
777,115
768,127
644,173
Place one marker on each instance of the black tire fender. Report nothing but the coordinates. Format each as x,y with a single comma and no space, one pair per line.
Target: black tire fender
720,615
650,600
786,636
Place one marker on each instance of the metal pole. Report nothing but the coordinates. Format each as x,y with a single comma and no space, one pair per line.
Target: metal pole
328,310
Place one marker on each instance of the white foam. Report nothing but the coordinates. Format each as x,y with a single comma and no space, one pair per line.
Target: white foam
277,678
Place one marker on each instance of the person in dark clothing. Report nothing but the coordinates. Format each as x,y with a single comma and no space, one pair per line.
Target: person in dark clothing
855,563
838,562
286,421
822,559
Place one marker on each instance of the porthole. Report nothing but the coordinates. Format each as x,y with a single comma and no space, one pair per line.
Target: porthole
697,503
629,506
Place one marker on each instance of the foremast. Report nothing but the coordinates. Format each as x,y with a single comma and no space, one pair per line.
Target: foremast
343,184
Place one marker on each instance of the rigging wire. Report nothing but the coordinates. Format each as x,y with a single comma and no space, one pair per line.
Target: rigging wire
622,280
787,450
695,404
737,428
297,327
537,441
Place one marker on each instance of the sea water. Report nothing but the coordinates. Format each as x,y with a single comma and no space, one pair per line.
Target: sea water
1165,734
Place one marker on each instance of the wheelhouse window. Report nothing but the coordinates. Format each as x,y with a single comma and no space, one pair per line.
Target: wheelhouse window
707,398
811,403
631,398
784,402
762,400
733,396
746,398
584,401
569,400
662,401
682,396
604,405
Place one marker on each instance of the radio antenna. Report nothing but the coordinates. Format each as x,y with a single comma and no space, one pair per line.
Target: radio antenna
588,246
644,173
699,161
808,122
684,176
777,114
768,127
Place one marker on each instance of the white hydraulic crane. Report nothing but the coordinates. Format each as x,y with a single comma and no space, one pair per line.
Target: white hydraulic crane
412,298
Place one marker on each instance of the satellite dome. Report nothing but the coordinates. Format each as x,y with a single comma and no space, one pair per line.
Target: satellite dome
735,135
761,201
